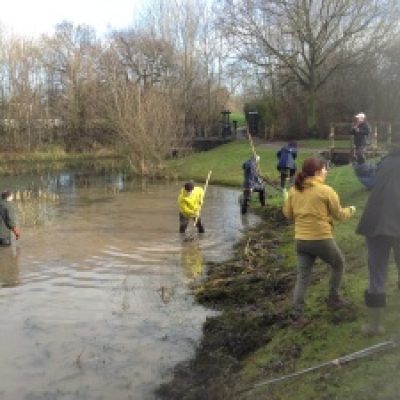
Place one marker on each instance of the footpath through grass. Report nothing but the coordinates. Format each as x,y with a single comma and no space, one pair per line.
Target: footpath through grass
252,341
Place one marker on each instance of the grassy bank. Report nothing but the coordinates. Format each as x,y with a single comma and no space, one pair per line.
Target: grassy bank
56,159
226,163
252,340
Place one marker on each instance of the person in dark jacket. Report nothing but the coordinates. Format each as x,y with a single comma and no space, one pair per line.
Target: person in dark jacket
360,132
287,162
380,225
252,182
7,220
366,173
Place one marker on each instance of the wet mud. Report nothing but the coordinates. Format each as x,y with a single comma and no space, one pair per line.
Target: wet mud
252,291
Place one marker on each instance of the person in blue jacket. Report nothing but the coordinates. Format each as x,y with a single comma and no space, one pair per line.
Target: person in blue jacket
253,182
365,172
287,162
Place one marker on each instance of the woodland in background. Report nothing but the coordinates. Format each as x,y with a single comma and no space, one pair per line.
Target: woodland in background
151,88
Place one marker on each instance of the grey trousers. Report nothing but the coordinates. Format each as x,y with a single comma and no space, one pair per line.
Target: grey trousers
379,248
307,252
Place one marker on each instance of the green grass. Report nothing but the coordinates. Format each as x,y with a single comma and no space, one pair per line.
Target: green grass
325,339
324,143
239,117
226,163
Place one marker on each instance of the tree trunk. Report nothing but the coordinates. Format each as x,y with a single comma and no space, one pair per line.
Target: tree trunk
312,113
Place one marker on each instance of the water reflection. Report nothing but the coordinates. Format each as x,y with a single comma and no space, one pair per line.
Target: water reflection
192,259
96,305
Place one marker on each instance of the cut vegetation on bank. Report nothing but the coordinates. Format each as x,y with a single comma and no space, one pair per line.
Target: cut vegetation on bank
252,340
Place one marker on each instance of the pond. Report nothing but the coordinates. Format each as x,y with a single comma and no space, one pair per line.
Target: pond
95,299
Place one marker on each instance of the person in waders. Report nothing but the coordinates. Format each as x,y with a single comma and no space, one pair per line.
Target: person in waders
380,226
313,205
252,182
7,219
190,200
287,163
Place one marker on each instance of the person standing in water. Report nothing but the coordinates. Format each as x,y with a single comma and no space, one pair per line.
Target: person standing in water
7,220
190,200
313,205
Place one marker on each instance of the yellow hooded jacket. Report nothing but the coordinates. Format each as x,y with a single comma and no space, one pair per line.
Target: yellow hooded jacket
190,202
313,210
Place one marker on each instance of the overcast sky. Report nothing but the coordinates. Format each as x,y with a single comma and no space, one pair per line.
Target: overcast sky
32,17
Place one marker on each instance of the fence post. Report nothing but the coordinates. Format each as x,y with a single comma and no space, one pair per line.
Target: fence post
375,141
389,137
332,137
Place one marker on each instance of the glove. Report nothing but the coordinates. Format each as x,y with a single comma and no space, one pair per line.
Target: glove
285,194
17,233
353,209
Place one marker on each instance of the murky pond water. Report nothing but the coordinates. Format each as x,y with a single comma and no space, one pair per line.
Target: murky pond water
95,300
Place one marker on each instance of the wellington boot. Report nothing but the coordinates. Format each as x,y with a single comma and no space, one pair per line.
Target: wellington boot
374,326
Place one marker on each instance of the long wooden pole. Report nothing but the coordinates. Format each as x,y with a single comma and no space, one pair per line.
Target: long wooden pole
204,195
191,236
258,166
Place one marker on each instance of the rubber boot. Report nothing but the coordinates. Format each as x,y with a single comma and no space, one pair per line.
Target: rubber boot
375,303
261,196
374,326
245,202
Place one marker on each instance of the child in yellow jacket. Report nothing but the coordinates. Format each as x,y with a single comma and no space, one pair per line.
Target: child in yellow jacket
190,200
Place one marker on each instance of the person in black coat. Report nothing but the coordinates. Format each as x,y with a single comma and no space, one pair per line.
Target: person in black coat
380,224
360,131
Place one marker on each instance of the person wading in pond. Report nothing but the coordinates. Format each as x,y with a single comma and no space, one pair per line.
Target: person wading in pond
380,224
252,182
190,200
287,163
313,205
7,220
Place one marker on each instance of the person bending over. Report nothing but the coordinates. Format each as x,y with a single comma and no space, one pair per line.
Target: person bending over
252,182
190,200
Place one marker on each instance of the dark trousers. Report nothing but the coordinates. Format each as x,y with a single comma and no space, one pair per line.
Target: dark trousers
184,221
247,198
379,248
285,174
307,252
359,154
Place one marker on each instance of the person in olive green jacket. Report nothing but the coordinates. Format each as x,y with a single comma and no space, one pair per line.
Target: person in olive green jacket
313,205
7,219
190,200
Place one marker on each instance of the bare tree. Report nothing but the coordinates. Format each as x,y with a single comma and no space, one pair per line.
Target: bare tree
307,40
70,57
137,103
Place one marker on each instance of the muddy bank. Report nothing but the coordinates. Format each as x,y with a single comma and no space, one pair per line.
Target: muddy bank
252,291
